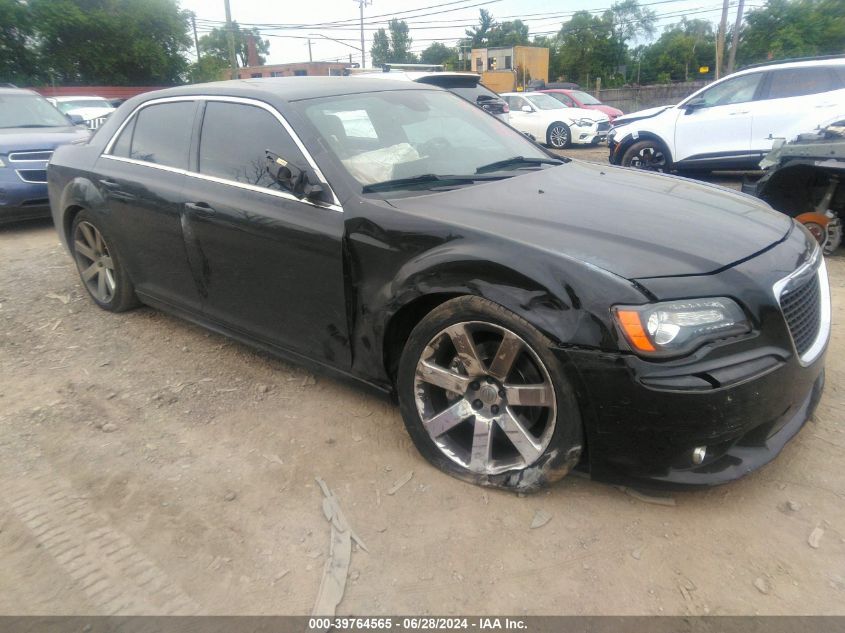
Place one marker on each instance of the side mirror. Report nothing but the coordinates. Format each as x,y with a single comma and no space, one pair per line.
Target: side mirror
695,104
527,108
76,119
291,177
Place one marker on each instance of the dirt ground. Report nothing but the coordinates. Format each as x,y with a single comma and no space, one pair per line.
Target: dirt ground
148,466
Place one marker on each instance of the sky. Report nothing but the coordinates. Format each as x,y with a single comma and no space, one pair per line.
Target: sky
429,20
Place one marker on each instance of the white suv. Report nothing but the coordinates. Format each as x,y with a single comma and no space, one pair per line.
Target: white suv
731,123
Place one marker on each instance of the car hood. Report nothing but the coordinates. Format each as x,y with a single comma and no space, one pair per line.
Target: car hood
578,113
91,113
631,223
608,110
641,114
20,139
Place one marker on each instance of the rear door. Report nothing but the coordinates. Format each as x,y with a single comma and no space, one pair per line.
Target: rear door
794,98
140,176
721,127
268,264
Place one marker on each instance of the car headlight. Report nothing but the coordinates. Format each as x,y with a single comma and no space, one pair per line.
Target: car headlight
585,122
675,327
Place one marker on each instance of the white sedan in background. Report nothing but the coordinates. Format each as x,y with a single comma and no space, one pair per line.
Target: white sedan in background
92,110
551,122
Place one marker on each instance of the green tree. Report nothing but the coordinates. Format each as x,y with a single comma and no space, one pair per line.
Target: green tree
216,44
476,36
18,60
121,42
586,49
513,33
679,52
437,53
792,28
393,45
207,68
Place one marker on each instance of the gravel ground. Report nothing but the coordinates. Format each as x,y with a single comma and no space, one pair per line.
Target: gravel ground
148,466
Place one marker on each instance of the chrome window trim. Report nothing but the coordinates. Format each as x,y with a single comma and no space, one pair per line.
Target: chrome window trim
11,156
30,182
815,350
334,205
223,181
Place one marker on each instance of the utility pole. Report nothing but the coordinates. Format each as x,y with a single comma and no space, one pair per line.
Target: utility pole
735,39
361,5
196,40
720,39
310,58
230,36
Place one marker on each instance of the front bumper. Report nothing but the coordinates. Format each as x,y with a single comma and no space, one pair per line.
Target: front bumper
741,398
22,200
643,435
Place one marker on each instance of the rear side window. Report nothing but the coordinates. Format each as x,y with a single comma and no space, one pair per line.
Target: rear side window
159,134
234,139
797,82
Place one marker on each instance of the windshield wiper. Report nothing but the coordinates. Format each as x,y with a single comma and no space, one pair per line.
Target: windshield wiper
423,179
517,160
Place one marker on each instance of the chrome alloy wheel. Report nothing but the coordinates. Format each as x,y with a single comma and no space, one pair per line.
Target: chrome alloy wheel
485,398
650,159
94,262
559,136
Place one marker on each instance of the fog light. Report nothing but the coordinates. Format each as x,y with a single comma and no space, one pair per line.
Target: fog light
698,454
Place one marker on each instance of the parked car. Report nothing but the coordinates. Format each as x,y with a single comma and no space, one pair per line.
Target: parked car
30,129
553,123
732,123
92,110
530,313
581,99
803,178
466,85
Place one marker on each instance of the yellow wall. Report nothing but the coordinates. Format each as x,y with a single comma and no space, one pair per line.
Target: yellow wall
499,80
533,60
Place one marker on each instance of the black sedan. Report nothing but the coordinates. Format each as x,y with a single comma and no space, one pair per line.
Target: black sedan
531,314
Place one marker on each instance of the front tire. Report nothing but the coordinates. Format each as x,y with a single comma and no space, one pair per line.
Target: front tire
558,135
99,265
648,155
485,400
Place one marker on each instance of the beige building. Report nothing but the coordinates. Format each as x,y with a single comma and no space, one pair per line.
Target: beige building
508,68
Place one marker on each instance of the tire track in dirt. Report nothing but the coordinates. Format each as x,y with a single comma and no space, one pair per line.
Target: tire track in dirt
104,563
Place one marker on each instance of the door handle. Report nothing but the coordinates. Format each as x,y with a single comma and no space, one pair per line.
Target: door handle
109,184
200,208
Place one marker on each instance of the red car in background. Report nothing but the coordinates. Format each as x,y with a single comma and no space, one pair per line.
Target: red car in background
581,99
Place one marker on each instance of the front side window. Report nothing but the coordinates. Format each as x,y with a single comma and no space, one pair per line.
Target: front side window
162,134
515,103
797,82
737,90
418,133
234,141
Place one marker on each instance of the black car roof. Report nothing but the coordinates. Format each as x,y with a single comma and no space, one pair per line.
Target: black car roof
289,88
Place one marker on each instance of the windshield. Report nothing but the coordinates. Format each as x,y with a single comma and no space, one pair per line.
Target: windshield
584,98
28,110
76,104
406,134
544,102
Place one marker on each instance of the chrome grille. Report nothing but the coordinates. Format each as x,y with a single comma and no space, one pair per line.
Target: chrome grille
802,310
804,298
94,124
34,156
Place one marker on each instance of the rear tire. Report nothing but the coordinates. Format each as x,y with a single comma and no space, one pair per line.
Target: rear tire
99,265
485,400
